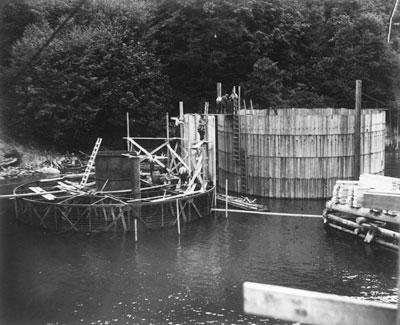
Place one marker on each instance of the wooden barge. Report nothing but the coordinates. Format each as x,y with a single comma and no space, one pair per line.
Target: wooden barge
368,208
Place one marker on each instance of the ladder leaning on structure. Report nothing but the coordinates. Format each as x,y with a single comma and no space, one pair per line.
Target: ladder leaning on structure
90,164
238,155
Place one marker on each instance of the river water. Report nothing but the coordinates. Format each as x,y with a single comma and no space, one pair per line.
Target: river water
194,278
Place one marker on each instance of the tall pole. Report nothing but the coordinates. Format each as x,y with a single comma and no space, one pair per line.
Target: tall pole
238,98
167,122
136,237
357,131
226,198
127,130
219,98
181,119
177,217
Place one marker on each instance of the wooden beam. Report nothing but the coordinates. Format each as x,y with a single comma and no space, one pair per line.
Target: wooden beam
178,196
42,192
15,195
196,174
172,151
148,154
363,212
310,307
281,214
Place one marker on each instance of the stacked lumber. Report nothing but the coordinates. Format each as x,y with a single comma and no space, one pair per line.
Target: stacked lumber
368,208
352,193
380,183
343,190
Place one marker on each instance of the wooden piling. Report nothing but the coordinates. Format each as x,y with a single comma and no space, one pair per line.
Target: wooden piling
357,130
136,232
167,122
177,217
226,198
181,118
239,98
127,131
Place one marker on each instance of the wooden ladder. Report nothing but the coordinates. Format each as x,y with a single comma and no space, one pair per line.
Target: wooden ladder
90,163
243,172
236,138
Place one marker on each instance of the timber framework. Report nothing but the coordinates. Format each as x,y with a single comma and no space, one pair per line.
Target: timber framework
171,184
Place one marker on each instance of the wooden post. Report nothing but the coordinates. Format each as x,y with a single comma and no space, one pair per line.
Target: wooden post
218,101
177,217
398,131
238,99
127,131
219,90
357,131
136,237
226,198
206,123
181,127
251,107
162,215
167,127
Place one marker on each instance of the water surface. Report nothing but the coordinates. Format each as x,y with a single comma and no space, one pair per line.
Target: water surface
195,278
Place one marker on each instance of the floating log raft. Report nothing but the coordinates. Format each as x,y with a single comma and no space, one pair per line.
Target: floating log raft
368,208
243,203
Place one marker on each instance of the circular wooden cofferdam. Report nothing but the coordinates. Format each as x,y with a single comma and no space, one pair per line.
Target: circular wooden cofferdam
116,202
296,153
61,211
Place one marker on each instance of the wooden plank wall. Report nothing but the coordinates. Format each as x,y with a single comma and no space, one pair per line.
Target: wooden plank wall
300,153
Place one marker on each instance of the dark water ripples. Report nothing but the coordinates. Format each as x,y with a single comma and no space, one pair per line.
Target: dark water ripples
192,279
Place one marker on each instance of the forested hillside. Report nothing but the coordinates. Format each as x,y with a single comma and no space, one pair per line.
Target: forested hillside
143,57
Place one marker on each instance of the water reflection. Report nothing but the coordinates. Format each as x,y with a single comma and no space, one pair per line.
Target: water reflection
192,279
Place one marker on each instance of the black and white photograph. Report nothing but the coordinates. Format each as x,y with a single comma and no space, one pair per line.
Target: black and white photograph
173,162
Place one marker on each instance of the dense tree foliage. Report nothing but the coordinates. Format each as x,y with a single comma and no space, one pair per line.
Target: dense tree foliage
84,82
284,53
145,56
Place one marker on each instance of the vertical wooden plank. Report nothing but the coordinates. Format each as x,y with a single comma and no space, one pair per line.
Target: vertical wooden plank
357,130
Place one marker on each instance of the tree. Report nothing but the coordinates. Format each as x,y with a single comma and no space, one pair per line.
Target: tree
201,43
82,85
265,84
